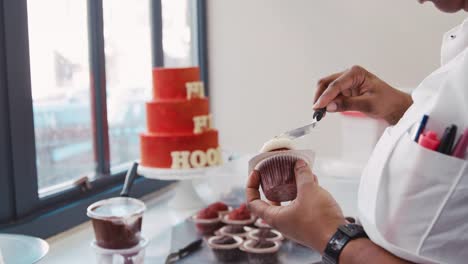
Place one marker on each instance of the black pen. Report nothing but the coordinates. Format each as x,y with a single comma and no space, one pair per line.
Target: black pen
447,140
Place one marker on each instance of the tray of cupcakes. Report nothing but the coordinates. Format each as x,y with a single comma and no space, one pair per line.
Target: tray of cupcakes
233,235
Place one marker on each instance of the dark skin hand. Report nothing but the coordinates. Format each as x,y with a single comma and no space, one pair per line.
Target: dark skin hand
356,89
312,218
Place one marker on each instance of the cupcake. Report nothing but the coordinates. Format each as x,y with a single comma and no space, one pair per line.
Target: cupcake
226,248
240,217
260,223
235,230
277,176
207,221
265,234
261,251
220,207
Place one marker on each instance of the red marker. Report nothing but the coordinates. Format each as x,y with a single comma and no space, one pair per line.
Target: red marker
429,140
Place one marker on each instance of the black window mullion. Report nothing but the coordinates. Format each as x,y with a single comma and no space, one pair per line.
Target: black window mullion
98,86
18,82
6,177
156,33
202,43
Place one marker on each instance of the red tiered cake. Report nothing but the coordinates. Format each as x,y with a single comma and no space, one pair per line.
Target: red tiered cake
180,135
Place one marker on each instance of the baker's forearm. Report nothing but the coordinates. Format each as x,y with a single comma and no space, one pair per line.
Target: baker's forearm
364,250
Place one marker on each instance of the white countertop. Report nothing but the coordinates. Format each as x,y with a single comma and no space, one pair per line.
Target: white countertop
73,246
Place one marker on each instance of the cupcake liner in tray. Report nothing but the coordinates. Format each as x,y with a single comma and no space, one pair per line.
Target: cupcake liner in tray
185,232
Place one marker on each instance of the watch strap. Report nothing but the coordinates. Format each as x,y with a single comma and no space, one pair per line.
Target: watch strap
338,241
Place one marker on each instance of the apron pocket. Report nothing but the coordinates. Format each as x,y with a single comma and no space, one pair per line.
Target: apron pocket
416,186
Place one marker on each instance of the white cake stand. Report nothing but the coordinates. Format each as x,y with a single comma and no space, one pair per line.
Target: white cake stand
186,197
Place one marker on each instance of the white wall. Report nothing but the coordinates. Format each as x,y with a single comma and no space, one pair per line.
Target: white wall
266,55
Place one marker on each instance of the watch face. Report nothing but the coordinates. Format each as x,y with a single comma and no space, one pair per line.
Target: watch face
338,241
351,229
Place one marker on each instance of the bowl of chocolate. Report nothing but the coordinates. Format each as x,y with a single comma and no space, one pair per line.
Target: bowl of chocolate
207,221
275,166
261,251
117,222
265,234
239,217
226,248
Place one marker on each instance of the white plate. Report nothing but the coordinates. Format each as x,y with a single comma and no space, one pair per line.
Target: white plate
21,249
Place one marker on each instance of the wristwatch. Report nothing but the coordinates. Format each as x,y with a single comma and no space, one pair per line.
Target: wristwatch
343,235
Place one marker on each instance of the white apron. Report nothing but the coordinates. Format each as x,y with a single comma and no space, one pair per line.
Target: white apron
413,201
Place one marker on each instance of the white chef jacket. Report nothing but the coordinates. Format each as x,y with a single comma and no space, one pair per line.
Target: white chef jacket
413,201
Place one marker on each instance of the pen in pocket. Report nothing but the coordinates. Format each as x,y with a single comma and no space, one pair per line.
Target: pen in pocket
429,140
447,140
460,148
421,128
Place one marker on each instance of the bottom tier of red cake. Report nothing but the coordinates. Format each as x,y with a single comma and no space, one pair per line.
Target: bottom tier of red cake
181,151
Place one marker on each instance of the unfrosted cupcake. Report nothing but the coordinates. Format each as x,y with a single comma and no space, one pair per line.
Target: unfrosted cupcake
235,230
261,251
265,234
207,221
226,248
277,176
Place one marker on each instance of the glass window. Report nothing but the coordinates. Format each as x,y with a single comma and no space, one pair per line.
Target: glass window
179,28
127,33
58,41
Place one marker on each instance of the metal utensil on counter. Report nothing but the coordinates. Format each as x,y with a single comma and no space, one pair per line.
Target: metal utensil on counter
302,131
129,178
190,248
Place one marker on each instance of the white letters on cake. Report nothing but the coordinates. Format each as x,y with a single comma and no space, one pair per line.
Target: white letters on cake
195,90
180,159
196,158
201,123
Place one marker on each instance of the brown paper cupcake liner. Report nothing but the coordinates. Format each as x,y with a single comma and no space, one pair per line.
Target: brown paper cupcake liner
276,170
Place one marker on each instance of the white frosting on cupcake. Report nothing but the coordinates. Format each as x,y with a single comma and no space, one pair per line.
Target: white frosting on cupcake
277,143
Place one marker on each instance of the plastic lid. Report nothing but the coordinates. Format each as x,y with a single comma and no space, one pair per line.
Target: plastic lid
116,208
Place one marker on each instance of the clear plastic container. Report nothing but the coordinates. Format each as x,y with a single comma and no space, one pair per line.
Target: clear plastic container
117,222
134,255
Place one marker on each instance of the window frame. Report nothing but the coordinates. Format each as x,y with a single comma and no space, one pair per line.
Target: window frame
22,210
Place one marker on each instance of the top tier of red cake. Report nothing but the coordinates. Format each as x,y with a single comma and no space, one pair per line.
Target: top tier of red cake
170,83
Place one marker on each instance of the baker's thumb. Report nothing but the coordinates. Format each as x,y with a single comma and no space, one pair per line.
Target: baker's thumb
353,103
304,176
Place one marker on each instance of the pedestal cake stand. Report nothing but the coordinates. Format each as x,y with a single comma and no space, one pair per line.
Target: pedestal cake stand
186,196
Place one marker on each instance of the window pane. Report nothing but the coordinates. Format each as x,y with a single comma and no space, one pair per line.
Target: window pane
179,26
58,40
127,35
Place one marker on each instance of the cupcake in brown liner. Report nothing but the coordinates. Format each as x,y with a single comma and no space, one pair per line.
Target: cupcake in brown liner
261,251
235,230
276,169
260,223
240,217
277,177
221,208
207,221
265,234
226,248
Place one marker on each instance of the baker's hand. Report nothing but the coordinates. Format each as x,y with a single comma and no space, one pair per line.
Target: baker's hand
356,89
311,219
